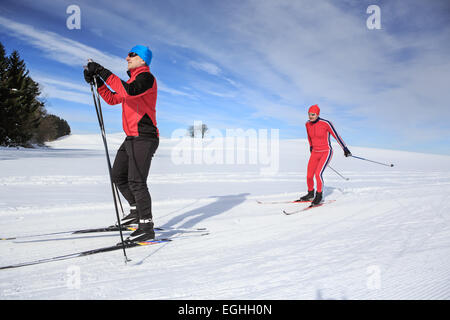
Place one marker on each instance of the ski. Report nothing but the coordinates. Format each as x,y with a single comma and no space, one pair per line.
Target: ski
105,229
281,202
88,252
182,235
307,208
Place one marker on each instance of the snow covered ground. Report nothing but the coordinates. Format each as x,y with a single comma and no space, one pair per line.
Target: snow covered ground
387,235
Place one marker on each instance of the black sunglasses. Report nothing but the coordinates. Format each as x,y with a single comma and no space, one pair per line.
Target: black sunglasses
132,54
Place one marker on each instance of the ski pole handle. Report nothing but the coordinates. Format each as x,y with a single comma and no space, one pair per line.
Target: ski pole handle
384,164
89,60
94,80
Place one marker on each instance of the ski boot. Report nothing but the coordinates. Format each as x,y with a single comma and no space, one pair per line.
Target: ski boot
131,218
307,197
143,233
317,200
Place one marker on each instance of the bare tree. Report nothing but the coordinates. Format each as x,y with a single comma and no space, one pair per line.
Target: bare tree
202,129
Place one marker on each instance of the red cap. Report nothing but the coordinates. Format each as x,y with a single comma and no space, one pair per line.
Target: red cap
314,109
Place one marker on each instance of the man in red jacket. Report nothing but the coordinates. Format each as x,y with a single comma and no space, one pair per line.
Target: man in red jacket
133,159
319,131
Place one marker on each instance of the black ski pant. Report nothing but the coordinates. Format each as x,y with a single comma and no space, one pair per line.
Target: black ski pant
130,172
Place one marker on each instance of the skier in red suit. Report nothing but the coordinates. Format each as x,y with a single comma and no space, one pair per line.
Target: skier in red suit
319,131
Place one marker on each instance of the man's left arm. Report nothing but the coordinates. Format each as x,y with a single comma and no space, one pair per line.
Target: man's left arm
338,138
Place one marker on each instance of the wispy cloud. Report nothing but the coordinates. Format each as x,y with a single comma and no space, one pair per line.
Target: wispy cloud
206,67
72,53
59,48
62,88
164,88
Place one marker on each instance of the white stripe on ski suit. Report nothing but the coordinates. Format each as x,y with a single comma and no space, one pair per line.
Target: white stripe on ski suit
338,137
330,155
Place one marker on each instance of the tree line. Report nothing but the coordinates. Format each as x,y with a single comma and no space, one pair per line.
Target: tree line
24,121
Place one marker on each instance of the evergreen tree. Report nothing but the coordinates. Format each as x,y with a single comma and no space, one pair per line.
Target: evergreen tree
23,106
4,92
23,118
62,127
50,128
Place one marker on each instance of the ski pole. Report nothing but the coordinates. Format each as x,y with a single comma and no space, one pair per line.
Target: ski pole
120,202
384,164
116,189
108,160
339,174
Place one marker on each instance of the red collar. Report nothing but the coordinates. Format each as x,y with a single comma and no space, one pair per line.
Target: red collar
134,72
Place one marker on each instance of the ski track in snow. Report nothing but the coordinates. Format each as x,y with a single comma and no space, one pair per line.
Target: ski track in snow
385,237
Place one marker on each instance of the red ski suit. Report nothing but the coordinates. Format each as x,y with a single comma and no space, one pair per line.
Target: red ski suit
321,151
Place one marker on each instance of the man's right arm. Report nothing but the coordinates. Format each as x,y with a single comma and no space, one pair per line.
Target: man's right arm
110,97
309,138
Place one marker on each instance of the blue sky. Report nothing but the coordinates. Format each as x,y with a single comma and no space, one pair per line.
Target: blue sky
252,64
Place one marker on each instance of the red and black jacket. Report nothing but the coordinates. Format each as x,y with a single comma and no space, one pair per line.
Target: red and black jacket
138,98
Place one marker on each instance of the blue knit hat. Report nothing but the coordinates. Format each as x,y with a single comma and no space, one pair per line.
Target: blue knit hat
144,52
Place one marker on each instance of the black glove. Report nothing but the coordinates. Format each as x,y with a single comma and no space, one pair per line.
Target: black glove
310,149
90,78
94,68
347,152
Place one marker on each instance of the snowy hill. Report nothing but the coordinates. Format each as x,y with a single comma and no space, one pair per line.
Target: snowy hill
387,235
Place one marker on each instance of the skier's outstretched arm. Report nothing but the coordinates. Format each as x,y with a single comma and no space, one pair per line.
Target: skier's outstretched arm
338,138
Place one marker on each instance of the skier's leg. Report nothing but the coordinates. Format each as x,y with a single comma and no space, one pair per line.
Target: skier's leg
312,164
120,174
324,160
140,152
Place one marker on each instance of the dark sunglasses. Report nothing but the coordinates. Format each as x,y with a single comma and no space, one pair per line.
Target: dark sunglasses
312,114
132,54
